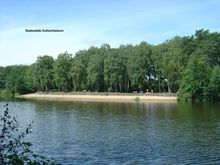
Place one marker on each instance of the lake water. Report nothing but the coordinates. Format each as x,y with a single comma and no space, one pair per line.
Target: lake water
122,133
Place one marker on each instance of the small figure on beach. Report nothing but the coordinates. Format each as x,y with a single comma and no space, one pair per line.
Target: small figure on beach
147,92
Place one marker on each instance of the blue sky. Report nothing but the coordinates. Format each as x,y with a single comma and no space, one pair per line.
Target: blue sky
94,22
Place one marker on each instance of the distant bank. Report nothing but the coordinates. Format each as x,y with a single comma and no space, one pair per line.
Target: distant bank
101,97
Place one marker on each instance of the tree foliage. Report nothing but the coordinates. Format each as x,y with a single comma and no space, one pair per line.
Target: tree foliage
78,71
212,91
62,76
95,69
195,79
43,72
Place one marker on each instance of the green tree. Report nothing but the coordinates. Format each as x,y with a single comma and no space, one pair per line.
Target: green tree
29,79
212,91
2,78
195,80
62,76
78,70
140,67
207,45
125,52
173,63
16,79
43,73
114,70
160,76
95,69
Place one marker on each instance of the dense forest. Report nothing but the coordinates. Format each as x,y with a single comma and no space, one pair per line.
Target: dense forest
188,66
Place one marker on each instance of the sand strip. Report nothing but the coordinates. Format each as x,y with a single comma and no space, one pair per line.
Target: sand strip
142,98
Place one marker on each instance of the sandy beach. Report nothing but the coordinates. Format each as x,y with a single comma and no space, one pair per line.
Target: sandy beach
114,98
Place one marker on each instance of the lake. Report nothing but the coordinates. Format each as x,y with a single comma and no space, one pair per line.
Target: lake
122,133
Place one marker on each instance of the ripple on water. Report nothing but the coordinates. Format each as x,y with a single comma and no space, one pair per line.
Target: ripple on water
123,133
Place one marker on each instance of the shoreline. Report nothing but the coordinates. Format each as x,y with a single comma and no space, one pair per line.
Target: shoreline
112,97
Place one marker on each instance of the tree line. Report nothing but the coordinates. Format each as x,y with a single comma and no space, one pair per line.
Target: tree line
188,66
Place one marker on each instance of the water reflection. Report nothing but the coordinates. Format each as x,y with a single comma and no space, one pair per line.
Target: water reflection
123,133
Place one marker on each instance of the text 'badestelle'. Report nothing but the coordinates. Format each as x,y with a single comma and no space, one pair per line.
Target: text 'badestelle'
44,30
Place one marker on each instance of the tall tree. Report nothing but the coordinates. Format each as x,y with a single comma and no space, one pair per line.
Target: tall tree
114,70
208,46
62,71
140,67
43,72
2,78
212,91
173,64
157,57
78,70
95,67
195,80
16,79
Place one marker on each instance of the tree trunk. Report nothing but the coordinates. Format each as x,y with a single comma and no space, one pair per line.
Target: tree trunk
120,87
168,86
128,86
159,84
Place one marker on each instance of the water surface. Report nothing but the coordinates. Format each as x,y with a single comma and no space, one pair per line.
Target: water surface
122,133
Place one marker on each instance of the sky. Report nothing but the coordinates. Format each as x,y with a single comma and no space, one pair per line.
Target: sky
89,23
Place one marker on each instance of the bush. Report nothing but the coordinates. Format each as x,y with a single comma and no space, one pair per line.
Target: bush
110,89
184,96
13,148
195,79
137,99
5,93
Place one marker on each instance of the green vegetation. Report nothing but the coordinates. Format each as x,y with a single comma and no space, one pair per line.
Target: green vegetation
137,99
13,148
187,65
